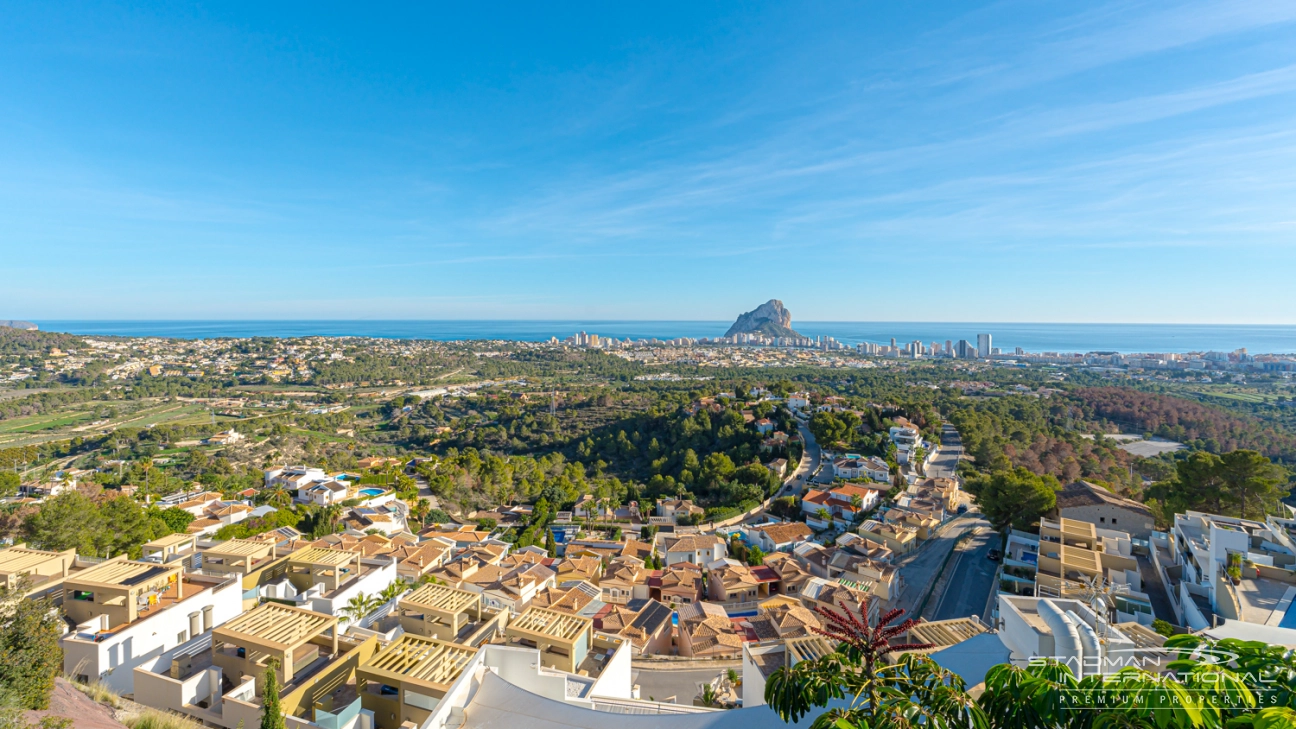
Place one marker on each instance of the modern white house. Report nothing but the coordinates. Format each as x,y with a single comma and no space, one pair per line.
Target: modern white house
872,468
700,549
1071,558
798,400
323,493
217,678
1220,568
325,580
129,612
905,437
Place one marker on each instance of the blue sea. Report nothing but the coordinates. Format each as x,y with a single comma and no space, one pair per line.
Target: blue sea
1257,339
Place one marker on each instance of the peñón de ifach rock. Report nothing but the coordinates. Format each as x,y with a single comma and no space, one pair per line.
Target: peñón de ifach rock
770,319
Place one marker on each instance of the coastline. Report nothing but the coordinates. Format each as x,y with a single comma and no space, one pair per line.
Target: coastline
1032,337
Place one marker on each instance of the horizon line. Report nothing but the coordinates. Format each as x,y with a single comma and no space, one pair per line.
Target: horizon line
694,321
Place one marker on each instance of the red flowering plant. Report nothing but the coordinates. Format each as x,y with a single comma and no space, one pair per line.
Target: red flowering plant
858,687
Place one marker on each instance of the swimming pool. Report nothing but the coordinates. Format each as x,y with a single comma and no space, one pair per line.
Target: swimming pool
1288,606
370,492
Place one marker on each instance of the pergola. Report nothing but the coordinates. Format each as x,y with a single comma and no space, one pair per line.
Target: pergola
236,555
18,561
330,567
563,639
419,670
271,631
120,589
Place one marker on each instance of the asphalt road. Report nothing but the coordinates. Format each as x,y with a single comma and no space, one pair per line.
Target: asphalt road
796,484
945,464
683,685
971,580
919,569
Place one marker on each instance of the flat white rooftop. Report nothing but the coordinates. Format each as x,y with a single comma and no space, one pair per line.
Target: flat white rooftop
498,704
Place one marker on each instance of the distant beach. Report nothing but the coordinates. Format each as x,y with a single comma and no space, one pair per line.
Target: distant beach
1278,339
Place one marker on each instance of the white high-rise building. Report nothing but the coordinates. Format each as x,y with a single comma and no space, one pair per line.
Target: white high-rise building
983,345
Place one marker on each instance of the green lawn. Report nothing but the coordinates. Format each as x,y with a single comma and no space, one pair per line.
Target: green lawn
1240,396
46,421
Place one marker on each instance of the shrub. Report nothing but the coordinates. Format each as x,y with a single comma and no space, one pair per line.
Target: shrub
154,719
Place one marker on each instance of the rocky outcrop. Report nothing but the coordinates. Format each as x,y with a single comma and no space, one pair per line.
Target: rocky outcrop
770,319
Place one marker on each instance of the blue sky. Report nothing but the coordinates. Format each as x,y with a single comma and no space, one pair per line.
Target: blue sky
861,161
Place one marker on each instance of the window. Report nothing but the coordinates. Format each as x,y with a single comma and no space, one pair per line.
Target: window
1113,520
83,595
182,636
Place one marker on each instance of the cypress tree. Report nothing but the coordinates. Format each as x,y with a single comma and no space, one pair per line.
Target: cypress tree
271,718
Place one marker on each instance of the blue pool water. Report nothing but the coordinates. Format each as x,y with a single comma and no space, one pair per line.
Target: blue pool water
1289,617
371,492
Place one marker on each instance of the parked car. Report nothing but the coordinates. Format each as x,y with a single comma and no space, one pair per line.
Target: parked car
994,555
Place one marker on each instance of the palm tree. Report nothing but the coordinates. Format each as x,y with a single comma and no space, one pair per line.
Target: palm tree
358,607
391,591
421,510
867,692
278,497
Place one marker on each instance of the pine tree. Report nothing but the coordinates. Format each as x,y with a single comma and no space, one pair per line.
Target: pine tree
271,718
30,656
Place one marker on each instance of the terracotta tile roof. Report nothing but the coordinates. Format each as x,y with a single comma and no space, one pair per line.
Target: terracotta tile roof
709,629
693,543
785,533
1083,493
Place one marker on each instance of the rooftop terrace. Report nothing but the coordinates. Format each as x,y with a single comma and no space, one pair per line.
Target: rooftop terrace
550,624
440,598
428,662
322,557
123,573
242,548
276,626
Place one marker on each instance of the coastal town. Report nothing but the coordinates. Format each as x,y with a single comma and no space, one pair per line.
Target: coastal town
428,366
388,618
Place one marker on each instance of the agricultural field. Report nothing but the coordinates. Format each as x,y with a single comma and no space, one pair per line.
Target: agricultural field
94,417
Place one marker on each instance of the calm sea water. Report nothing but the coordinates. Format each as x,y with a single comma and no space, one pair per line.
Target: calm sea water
1031,337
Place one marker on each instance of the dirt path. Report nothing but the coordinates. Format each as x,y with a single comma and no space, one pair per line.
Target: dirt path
72,704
